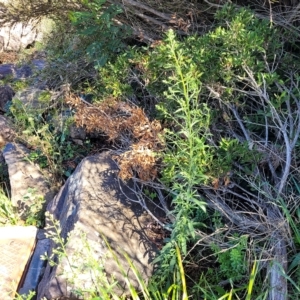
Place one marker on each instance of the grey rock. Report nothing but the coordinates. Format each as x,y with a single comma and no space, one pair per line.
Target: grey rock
2,43
93,203
60,122
7,70
36,267
11,70
37,64
26,70
19,36
6,95
41,235
21,72
34,99
26,180
77,133
7,132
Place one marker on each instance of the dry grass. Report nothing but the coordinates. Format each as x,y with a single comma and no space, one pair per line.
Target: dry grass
127,125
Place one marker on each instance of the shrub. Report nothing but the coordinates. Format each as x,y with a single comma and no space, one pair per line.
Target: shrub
102,37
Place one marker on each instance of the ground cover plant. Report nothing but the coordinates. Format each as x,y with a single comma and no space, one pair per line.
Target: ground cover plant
207,126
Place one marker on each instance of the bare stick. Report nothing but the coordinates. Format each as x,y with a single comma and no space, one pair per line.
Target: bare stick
246,134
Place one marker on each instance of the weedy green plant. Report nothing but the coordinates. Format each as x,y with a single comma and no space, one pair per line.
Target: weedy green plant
232,260
188,157
19,85
34,213
35,131
31,295
89,38
8,214
48,138
190,160
114,77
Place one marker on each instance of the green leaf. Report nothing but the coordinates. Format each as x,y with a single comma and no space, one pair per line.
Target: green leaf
295,262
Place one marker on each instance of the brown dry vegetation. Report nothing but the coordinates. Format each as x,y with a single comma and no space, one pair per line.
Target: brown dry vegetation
128,126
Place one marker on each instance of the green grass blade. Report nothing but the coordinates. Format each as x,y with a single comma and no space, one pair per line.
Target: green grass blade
252,280
182,275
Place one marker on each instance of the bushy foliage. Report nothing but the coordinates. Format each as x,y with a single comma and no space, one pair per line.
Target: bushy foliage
223,98
81,42
102,37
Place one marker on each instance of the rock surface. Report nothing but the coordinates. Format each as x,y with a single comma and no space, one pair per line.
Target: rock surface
16,245
91,203
7,133
26,180
21,72
6,95
34,99
36,266
77,134
19,36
